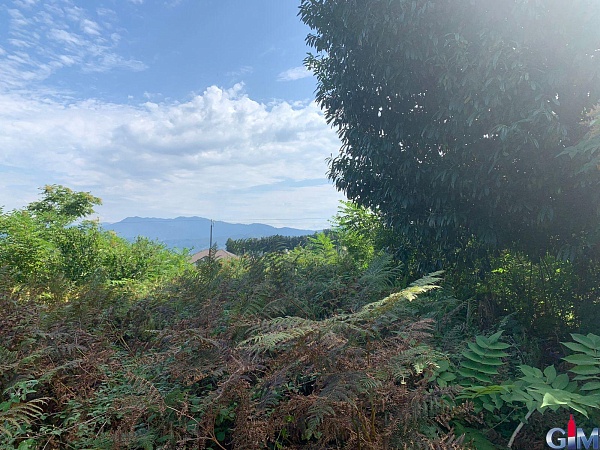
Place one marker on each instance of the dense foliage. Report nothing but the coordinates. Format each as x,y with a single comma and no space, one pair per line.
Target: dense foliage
334,344
464,117
47,250
260,246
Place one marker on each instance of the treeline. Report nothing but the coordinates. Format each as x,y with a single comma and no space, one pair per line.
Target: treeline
269,244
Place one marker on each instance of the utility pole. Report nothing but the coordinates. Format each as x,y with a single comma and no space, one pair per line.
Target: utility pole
210,248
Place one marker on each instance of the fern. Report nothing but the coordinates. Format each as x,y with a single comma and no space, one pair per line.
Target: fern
8,360
419,287
14,416
146,390
345,387
316,415
380,273
279,331
414,361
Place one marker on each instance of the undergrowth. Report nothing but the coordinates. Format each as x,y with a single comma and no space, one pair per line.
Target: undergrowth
258,353
326,346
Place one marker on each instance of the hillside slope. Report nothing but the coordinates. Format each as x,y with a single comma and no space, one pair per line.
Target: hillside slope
194,232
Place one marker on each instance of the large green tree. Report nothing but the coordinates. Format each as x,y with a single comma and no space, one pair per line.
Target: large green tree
457,116
48,247
62,206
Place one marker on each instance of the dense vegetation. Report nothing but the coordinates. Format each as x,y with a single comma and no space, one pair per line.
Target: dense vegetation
260,246
334,344
463,118
470,145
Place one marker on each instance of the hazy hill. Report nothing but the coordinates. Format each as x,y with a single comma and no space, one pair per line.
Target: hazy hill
194,232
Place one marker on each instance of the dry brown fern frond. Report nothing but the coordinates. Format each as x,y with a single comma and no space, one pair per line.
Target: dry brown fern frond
145,389
447,442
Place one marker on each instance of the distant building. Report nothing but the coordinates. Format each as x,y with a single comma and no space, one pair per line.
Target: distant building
219,254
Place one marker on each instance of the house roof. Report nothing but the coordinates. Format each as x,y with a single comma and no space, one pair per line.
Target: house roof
219,254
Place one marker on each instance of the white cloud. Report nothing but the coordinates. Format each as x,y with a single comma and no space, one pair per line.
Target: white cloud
220,154
244,70
42,40
66,38
25,3
295,73
90,27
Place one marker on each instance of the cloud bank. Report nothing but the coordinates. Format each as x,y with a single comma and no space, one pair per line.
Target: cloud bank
220,155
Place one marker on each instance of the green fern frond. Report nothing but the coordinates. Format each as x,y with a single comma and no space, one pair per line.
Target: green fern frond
380,274
20,414
279,331
409,294
8,359
276,332
411,362
254,306
431,279
316,414
270,341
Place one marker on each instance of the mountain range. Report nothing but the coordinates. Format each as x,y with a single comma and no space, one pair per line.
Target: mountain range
194,232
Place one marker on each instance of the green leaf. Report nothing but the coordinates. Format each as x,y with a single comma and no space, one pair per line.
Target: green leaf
468,373
475,348
494,337
486,352
447,376
479,391
551,398
579,409
442,365
591,386
481,359
589,343
479,367
550,373
498,346
585,370
592,401
531,371
580,348
580,359
595,340
519,396
489,407
482,342
561,381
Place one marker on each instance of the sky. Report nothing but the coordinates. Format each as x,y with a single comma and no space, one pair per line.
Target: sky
164,108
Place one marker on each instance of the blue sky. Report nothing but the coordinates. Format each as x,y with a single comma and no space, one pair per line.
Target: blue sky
164,108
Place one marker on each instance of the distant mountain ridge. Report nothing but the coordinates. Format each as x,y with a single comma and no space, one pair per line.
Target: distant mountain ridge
194,232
